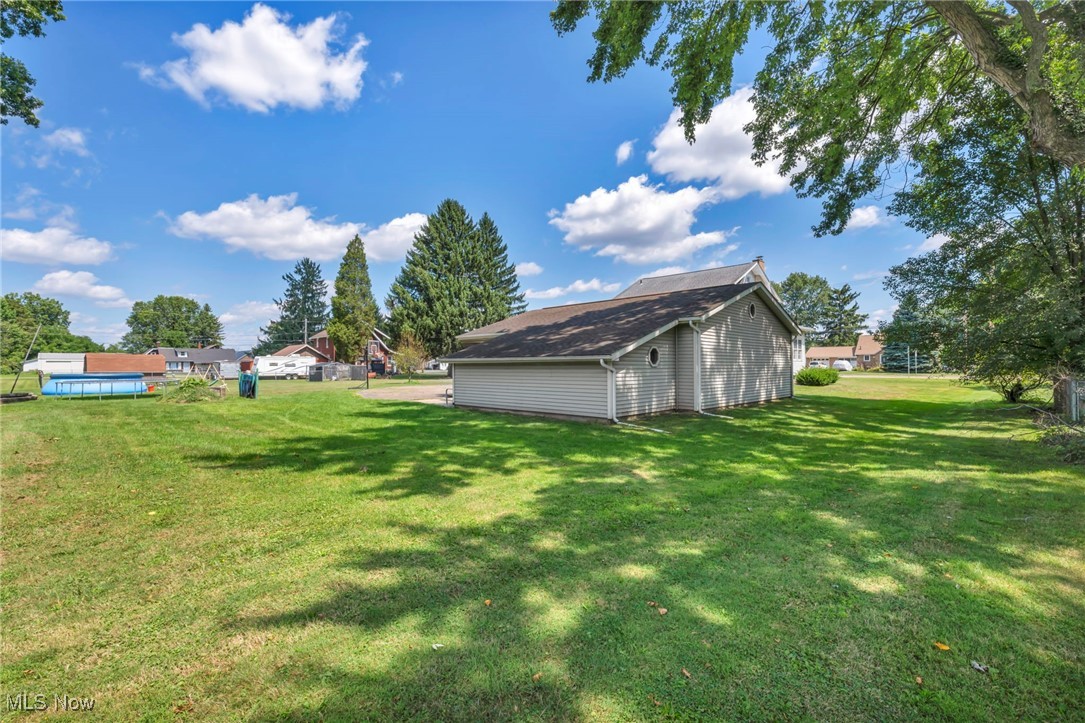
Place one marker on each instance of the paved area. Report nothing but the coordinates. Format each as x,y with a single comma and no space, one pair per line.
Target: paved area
428,392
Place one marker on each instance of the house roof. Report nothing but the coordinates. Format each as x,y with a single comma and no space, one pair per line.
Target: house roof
821,352
720,276
300,349
99,363
192,354
603,328
322,334
867,344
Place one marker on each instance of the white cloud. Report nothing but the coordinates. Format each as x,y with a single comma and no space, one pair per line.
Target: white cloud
53,245
391,241
84,285
721,153
868,275
397,78
666,271
866,217
933,243
277,228
264,62
528,268
624,152
577,287
638,222
250,311
67,140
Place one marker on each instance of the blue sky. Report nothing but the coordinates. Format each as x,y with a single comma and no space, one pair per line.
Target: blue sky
199,149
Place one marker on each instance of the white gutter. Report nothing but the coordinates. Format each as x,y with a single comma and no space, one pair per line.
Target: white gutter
519,359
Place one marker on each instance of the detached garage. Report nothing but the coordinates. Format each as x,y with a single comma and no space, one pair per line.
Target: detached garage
692,350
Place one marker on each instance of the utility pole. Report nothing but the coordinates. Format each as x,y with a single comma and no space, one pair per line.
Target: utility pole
305,333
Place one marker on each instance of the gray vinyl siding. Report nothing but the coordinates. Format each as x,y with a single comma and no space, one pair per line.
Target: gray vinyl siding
684,367
744,360
574,389
641,388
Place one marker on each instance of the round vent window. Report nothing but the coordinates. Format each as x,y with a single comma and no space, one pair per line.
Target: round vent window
752,310
653,356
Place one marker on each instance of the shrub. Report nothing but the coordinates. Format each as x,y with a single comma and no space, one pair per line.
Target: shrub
193,389
812,377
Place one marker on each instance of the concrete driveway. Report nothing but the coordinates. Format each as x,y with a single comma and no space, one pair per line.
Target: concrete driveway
427,392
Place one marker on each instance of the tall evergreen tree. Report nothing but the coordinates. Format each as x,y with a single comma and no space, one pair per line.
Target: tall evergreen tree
457,277
498,283
354,310
843,320
302,310
171,321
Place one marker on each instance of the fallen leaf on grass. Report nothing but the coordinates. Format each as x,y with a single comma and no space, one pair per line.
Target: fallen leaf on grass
686,673
941,646
438,646
653,699
662,611
536,677
979,666
919,680
183,707
488,603
652,604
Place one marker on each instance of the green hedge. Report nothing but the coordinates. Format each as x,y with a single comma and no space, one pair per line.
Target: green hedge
812,377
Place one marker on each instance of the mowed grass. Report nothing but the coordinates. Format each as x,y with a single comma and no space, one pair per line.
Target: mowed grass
307,554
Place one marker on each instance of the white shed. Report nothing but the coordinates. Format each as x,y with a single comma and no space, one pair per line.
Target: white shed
693,349
56,363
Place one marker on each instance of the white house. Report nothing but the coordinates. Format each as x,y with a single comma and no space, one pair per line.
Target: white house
693,349
56,363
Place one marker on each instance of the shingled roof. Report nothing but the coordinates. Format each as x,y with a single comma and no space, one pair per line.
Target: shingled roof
597,328
719,276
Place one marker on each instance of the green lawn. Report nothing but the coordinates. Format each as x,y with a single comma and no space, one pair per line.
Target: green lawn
299,556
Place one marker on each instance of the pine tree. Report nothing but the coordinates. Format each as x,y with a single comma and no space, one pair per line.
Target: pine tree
843,320
354,310
457,277
302,310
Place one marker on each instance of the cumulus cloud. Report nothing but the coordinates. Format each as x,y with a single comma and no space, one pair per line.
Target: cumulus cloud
392,240
67,140
53,245
933,243
638,222
250,311
624,152
264,62
528,268
866,217
721,153
279,229
577,287
666,271
84,285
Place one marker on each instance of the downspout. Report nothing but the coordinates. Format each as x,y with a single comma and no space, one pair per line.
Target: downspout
612,403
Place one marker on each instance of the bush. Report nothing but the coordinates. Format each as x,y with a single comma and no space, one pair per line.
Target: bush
811,377
193,389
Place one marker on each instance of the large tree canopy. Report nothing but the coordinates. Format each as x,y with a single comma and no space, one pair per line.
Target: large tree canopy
457,277
354,310
25,18
20,315
303,310
848,87
171,321
806,298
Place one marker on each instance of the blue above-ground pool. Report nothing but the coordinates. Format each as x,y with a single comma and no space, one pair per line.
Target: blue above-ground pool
95,385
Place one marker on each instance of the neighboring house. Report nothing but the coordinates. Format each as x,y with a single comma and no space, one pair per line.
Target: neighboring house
304,350
192,360
48,362
868,351
379,351
866,354
146,364
694,349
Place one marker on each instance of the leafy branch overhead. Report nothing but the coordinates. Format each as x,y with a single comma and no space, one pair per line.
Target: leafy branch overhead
847,88
24,18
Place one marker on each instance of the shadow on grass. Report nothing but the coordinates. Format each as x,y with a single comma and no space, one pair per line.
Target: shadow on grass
807,553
